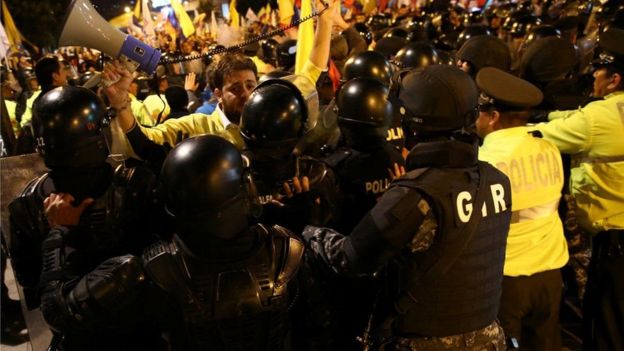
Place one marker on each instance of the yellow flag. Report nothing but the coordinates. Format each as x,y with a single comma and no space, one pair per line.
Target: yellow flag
183,18
122,21
369,6
13,34
286,11
234,17
137,10
305,37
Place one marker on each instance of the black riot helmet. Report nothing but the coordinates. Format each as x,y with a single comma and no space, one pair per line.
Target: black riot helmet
378,22
470,32
485,51
396,32
364,32
67,125
523,25
472,17
273,118
268,51
539,32
368,64
286,54
434,100
415,55
364,112
207,189
275,74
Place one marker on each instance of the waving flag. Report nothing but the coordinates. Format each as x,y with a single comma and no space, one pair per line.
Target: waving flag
184,20
305,37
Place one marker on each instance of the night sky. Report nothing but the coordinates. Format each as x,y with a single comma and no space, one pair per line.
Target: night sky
109,9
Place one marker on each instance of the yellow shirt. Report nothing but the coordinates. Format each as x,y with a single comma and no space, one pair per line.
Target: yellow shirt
536,242
594,134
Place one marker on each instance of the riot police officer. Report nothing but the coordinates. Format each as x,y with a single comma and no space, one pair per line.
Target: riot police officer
437,225
273,121
362,167
68,125
228,278
325,136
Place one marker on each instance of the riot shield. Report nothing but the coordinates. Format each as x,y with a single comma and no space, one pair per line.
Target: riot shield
15,173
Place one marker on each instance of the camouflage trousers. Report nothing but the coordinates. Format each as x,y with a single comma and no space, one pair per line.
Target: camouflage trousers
490,338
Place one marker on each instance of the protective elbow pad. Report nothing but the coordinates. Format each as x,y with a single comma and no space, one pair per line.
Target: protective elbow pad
108,288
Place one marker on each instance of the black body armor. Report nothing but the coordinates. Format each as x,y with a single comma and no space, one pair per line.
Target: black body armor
300,208
455,285
363,177
237,302
114,224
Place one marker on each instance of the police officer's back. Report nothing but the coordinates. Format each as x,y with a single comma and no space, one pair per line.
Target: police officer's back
536,246
440,230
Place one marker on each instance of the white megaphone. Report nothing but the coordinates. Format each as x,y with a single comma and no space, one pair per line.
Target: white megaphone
85,27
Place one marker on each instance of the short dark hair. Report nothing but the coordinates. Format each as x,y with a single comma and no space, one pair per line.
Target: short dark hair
176,97
44,69
619,69
225,65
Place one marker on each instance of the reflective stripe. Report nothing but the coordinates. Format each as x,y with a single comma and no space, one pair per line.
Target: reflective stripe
535,212
607,159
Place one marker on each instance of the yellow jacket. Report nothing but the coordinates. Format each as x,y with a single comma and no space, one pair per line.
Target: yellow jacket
536,242
154,106
140,111
594,135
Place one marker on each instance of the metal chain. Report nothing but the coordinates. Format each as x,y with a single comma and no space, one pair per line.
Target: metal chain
168,60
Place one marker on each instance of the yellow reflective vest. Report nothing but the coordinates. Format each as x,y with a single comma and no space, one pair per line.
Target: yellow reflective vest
536,242
594,135
11,106
27,116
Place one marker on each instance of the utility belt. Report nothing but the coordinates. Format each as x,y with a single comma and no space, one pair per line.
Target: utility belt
535,212
608,244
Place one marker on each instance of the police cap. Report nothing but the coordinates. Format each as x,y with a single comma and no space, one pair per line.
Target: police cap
484,51
506,91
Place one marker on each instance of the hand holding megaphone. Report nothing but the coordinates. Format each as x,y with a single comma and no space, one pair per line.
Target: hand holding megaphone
116,80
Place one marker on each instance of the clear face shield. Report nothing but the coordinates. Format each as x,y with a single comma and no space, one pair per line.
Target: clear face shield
307,88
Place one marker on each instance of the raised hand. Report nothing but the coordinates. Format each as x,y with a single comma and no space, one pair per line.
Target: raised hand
116,79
